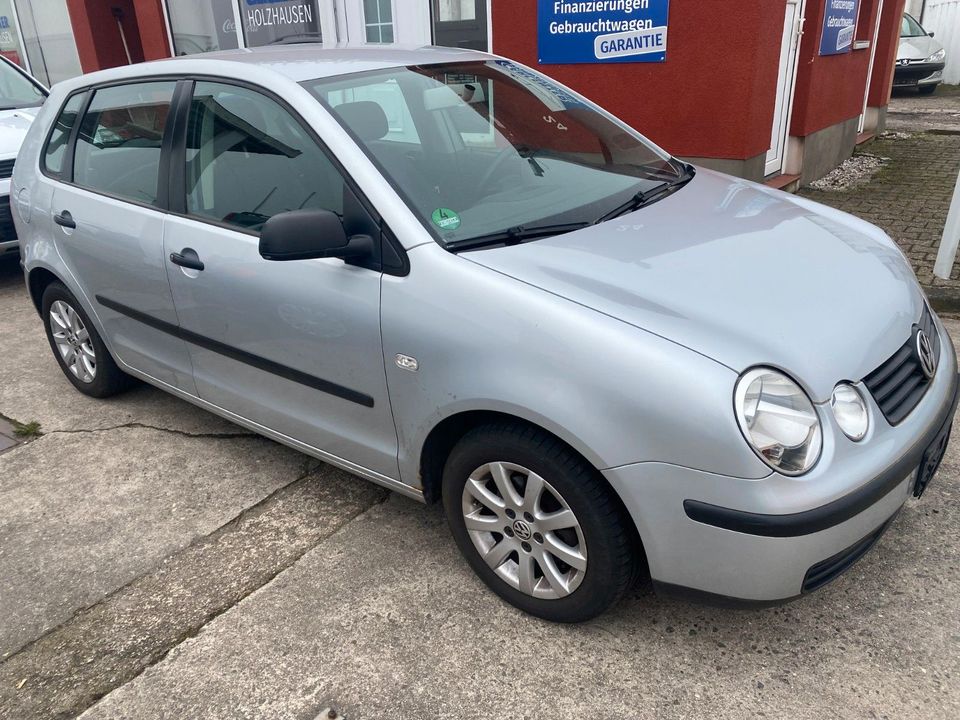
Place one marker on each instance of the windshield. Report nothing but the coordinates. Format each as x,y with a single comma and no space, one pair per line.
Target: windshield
481,148
17,90
910,28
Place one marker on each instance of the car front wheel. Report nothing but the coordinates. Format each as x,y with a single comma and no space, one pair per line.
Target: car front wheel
537,523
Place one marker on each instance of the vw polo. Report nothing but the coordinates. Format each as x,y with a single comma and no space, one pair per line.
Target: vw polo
448,274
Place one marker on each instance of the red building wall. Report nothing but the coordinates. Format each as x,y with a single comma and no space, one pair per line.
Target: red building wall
713,97
831,88
99,43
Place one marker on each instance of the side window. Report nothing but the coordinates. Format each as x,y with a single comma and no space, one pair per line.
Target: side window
389,97
118,147
249,159
56,149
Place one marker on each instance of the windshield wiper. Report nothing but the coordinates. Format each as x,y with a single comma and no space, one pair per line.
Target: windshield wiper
643,198
515,236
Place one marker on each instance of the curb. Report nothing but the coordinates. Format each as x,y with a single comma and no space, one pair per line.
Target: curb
943,300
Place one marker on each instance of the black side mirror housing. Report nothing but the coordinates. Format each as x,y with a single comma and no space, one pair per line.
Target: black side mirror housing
311,234
932,34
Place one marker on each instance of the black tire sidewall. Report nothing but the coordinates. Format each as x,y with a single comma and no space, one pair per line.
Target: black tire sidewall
109,378
605,533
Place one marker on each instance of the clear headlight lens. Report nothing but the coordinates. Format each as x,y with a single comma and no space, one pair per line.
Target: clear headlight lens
778,420
850,411
938,56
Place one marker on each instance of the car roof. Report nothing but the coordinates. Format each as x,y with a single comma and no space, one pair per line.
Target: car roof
294,62
307,61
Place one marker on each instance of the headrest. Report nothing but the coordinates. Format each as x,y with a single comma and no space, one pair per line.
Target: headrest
365,118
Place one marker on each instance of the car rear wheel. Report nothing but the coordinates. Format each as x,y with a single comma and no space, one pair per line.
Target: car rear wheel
537,523
78,348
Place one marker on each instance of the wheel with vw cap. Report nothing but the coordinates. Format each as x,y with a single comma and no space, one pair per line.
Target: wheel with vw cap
537,523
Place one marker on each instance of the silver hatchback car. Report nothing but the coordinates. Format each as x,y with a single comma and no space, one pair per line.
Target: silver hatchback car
446,273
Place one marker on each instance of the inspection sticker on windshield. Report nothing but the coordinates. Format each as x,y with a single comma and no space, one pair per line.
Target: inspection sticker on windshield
446,219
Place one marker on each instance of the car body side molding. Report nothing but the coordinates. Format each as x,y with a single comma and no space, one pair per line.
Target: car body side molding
239,355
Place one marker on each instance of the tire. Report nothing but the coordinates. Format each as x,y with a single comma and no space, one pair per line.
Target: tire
79,349
928,89
602,539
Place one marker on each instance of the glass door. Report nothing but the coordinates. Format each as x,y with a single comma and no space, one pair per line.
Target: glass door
460,23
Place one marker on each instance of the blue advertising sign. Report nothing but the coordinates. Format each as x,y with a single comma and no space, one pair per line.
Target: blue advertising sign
839,25
601,31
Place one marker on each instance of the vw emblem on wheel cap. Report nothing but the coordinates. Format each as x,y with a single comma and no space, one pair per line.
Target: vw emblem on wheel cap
928,361
522,530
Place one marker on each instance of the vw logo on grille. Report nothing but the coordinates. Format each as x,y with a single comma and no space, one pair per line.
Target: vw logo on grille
928,361
522,530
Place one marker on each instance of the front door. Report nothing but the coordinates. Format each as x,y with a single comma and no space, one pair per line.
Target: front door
785,85
110,233
295,345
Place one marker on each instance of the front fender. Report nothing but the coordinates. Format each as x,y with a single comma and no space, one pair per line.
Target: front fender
617,394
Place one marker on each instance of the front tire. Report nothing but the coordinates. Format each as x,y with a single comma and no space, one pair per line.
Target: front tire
78,347
537,523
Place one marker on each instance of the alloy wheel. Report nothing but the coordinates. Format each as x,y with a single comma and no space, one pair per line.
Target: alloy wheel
524,530
73,341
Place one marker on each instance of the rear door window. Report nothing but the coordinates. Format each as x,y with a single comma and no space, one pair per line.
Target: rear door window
118,147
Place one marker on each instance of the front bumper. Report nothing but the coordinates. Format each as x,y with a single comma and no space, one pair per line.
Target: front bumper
918,74
8,233
723,539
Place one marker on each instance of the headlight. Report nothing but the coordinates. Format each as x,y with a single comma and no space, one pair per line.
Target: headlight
778,420
938,56
850,411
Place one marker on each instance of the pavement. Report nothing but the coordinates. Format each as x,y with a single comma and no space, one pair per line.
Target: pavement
910,193
158,562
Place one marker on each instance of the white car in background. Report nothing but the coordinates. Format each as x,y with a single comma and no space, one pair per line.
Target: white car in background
920,58
20,99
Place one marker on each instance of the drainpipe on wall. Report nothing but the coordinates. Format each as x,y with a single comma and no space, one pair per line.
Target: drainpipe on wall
118,15
947,252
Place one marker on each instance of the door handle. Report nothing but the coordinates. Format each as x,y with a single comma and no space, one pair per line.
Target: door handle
65,219
187,258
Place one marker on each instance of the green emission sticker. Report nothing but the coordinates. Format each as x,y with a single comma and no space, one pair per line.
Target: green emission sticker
446,219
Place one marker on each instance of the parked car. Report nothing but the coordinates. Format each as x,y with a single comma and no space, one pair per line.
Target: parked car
920,58
20,98
599,358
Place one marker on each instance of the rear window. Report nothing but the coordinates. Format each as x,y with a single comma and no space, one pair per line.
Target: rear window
118,147
56,150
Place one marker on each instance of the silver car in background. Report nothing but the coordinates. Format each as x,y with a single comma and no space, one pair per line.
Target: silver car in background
20,99
446,273
920,58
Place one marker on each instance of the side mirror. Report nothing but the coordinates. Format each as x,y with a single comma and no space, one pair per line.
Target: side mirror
311,234
932,34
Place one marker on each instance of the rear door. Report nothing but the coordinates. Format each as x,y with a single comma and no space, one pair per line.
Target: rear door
295,345
108,223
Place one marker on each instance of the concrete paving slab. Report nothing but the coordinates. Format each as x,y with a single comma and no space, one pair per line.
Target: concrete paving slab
82,514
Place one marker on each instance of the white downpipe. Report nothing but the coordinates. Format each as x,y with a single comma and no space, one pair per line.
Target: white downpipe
947,253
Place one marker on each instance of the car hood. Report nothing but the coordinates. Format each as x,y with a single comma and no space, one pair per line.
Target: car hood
917,48
13,128
741,273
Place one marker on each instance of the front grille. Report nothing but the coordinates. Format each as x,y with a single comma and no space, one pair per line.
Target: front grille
7,230
899,384
831,568
6,168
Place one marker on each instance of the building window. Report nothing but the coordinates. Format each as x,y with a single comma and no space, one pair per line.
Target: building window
267,22
202,27
378,18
